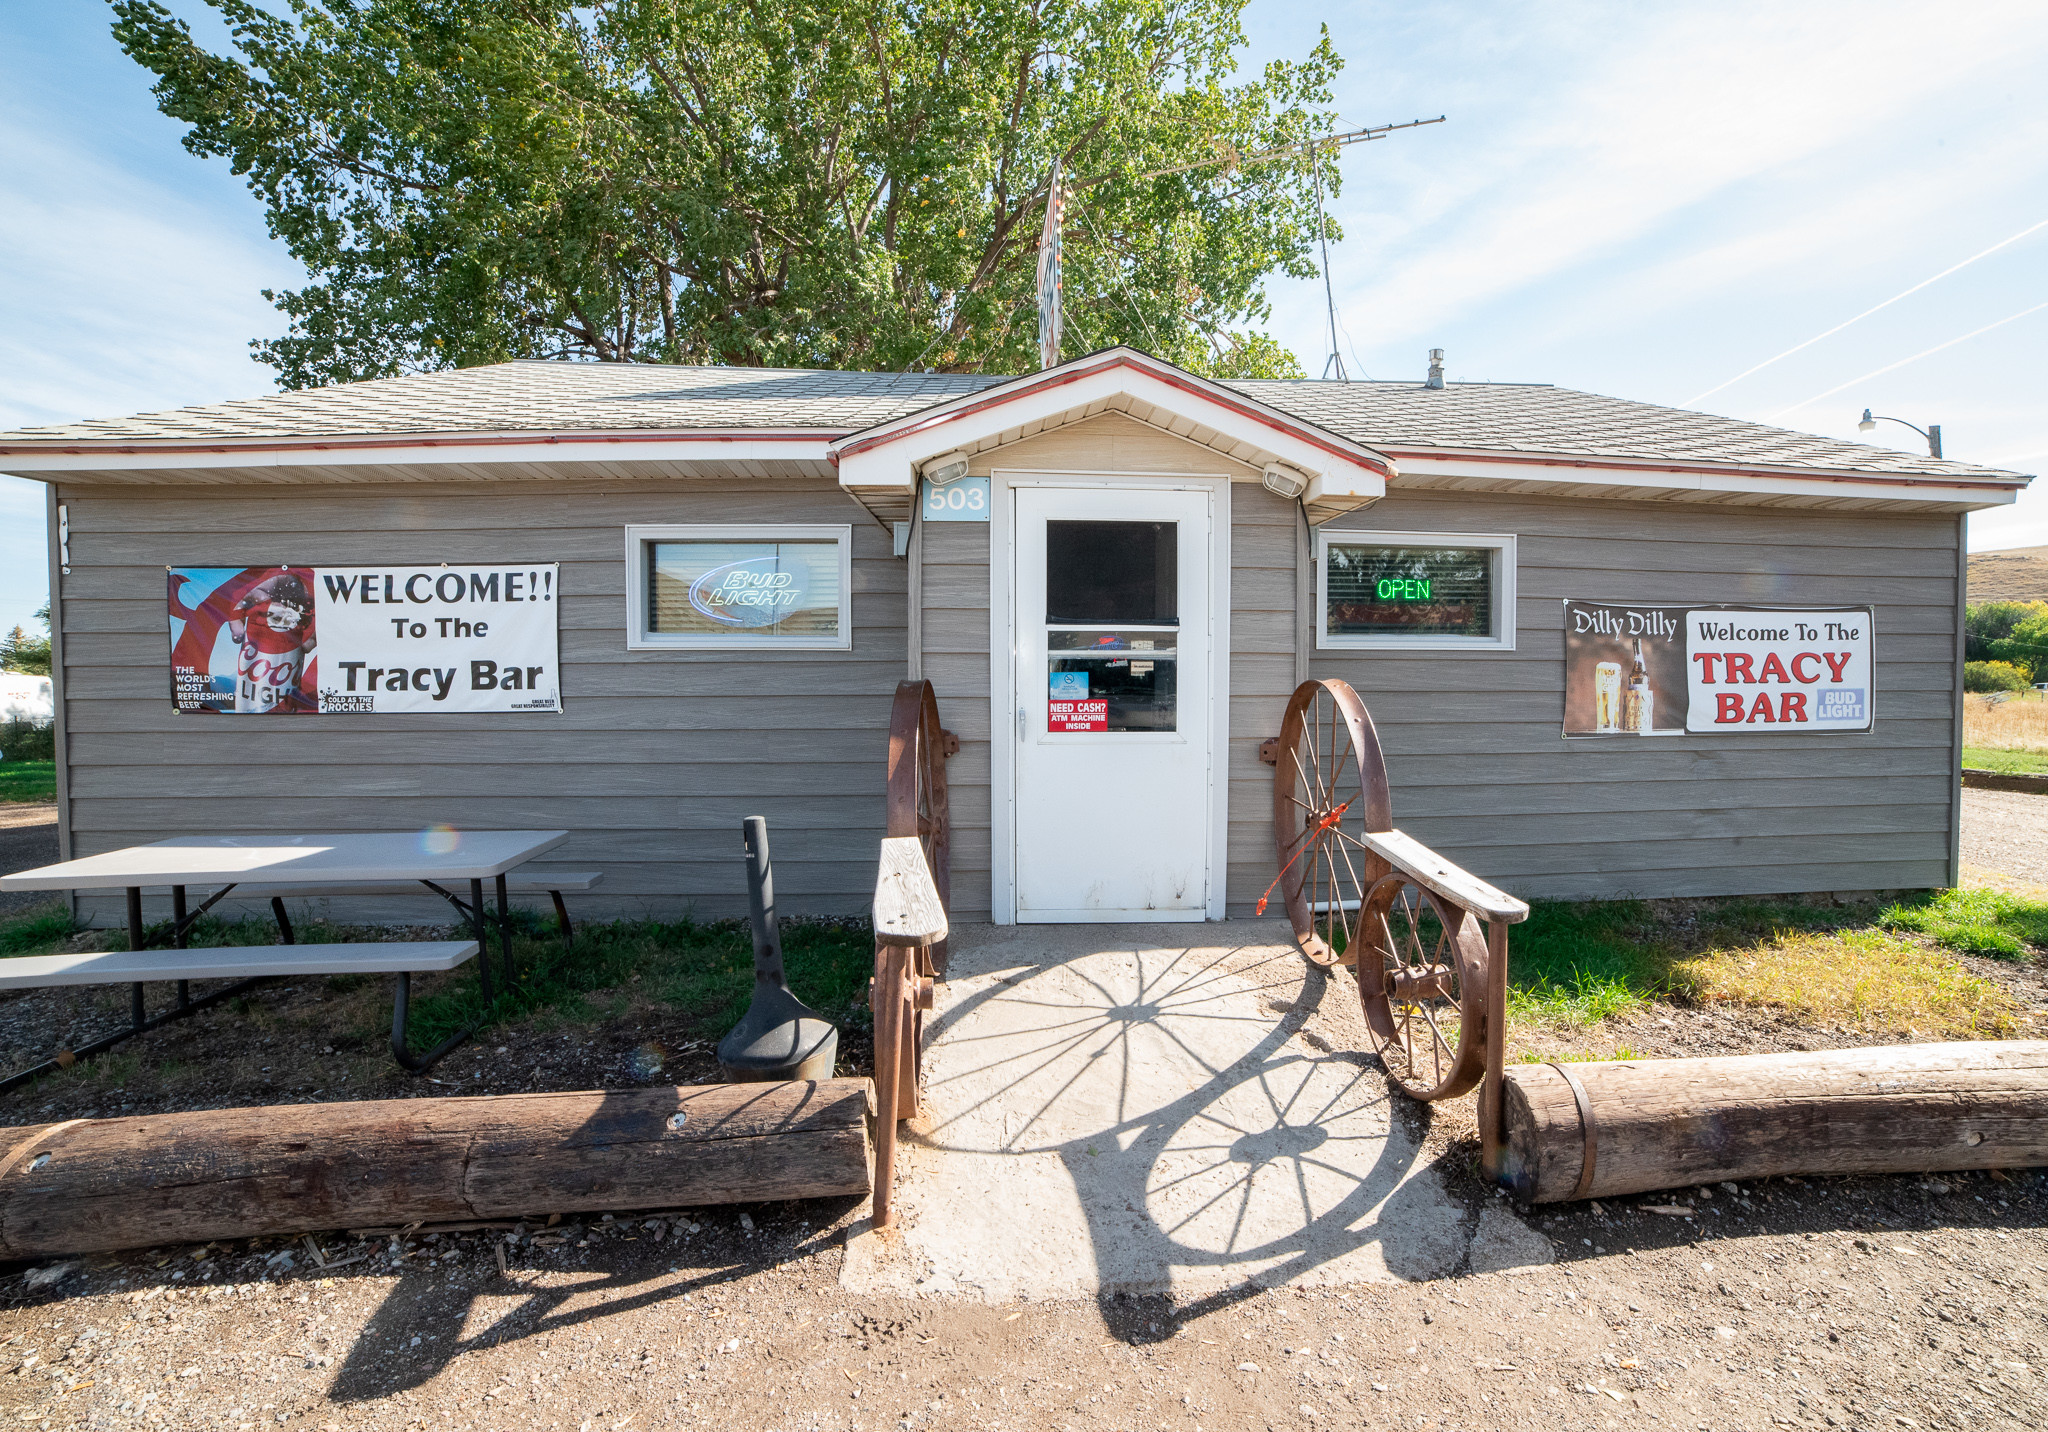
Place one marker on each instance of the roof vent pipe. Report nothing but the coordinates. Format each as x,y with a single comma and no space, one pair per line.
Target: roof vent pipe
1436,369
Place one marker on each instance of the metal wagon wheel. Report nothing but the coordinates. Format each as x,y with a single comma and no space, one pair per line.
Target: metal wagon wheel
1329,788
918,748
1422,978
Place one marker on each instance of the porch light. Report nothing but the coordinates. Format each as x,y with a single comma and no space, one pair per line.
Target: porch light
1285,481
942,470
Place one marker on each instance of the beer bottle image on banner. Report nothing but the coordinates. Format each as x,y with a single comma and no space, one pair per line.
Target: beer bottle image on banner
1639,704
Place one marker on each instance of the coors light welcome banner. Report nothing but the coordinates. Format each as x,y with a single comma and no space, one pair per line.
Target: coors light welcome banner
364,640
1664,671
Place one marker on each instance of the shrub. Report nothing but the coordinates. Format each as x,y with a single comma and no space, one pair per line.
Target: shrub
26,741
1986,622
1993,676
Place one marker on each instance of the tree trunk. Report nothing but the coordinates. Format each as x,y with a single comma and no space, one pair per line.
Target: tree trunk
91,1185
1665,1123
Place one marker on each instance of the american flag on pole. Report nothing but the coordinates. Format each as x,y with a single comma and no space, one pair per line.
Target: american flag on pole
1049,315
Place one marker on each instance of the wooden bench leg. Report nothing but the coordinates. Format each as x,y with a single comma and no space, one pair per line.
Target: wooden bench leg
401,1000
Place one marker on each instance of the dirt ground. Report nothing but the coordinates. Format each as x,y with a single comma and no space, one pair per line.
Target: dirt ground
2004,834
1856,1303
28,838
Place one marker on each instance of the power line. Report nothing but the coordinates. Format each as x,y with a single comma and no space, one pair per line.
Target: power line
1908,293
1923,353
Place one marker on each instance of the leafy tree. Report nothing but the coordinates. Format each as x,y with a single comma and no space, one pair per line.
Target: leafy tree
830,183
2025,645
1986,622
1993,676
27,654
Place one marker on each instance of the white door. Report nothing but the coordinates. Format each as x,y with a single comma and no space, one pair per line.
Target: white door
1113,726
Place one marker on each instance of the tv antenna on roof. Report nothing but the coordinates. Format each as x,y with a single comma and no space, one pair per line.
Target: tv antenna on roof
1051,315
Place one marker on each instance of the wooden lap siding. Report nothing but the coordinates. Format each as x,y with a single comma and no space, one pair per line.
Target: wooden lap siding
652,763
1480,772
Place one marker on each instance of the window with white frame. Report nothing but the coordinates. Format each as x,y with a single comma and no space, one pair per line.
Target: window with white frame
1429,591
766,588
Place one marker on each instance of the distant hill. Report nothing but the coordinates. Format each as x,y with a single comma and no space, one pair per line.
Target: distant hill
2018,574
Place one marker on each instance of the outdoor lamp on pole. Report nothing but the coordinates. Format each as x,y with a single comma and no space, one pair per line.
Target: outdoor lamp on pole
1932,432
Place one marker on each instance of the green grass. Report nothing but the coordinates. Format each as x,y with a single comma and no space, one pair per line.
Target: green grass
39,932
1588,961
28,781
2010,763
704,970
1978,922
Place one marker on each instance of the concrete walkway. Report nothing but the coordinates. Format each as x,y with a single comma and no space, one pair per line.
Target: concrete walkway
1155,1108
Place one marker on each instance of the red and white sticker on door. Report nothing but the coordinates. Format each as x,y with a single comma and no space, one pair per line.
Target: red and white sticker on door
1077,715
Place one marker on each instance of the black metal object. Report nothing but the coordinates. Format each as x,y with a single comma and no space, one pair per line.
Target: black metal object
779,1037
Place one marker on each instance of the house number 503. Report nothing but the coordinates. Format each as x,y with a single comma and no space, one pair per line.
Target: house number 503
963,501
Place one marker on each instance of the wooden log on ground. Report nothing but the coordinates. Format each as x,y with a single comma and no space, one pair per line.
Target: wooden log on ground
91,1185
1665,1123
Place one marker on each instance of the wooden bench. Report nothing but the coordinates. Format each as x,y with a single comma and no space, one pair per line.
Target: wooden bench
551,883
245,964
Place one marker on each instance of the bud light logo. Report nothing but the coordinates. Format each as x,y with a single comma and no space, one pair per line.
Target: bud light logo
753,592
1840,703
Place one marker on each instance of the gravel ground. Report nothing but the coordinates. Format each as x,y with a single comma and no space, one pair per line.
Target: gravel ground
1870,1303
2006,833
28,838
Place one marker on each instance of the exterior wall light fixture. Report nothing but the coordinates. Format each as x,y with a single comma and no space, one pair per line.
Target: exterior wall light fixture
942,470
1284,481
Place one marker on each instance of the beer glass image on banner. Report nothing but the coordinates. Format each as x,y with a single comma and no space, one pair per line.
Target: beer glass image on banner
242,640
1624,670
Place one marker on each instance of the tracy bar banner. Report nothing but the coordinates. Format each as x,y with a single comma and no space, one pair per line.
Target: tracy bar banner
1634,670
364,640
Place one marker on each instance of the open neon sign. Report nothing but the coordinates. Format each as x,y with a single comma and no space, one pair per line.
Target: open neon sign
1402,589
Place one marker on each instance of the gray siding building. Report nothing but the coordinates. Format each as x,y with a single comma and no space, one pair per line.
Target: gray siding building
1113,521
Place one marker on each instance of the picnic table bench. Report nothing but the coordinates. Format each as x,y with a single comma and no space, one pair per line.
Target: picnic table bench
274,866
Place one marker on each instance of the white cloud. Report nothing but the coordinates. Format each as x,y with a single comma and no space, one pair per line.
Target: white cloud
121,294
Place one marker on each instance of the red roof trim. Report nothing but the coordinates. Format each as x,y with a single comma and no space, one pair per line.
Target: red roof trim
1731,470
76,447
1299,428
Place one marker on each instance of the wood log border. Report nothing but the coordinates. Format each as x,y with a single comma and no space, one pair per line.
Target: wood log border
96,1185
1667,1123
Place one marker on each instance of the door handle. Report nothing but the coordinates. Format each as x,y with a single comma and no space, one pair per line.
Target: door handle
1020,723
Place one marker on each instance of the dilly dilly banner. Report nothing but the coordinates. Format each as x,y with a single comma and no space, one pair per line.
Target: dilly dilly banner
364,640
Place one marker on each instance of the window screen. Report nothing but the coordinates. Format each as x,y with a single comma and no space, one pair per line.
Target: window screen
1383,589
763,589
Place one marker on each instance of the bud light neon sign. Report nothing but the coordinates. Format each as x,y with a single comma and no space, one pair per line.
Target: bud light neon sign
753,592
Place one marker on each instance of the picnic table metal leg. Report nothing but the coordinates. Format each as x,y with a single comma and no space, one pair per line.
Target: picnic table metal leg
505,935
483,937
562,919
135,942
182,935
284,922
401,999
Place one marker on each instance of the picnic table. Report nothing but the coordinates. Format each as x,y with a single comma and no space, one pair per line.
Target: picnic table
364,863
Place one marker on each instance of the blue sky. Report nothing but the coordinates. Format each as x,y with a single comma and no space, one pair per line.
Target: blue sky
1643,200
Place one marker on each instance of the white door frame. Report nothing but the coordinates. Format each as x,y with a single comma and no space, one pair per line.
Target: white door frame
1002,663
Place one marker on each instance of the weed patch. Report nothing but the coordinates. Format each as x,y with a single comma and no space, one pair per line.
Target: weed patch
1977,922
1858,977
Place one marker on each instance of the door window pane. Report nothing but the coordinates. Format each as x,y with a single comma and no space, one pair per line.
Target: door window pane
1131,688
1112,573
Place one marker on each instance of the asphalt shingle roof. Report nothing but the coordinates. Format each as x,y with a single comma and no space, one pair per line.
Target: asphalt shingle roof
607,397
